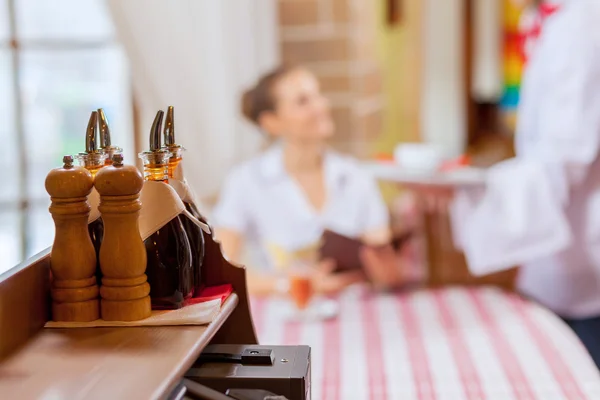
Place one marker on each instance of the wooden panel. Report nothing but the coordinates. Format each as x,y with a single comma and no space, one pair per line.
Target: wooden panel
239,329
447,265
24,302
106,363
470,105
305,12
341,10
310,50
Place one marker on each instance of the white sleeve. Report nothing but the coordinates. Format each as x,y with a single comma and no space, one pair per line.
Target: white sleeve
231,211
520,215
519,218
375,212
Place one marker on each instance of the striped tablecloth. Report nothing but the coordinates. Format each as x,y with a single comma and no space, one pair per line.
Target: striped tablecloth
453,343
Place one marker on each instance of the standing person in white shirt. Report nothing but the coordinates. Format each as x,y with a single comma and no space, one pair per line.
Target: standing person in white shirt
281,202
541,210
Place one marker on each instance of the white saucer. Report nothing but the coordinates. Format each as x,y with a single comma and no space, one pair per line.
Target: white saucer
319,309
461,177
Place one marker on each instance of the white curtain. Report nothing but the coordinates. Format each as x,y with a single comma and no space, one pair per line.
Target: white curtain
487,50
199,55
443,107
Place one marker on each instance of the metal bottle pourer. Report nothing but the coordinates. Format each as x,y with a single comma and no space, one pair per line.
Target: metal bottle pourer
93,158
169,135
105,142
156,156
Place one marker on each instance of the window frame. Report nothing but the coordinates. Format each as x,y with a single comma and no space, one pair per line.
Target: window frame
14,46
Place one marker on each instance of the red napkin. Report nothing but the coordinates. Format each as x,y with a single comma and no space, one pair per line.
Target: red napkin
209,293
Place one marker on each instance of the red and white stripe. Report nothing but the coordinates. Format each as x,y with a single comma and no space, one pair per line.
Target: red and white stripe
563,377
504,352
570,350
396,350
353,346
463,358
330,380
536,371
452,343
314,336
415,342
377,379
494,381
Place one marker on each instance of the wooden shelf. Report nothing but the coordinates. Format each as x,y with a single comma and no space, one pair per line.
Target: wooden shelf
106,363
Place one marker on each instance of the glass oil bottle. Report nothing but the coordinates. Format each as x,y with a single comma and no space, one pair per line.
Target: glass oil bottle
193,231
169,266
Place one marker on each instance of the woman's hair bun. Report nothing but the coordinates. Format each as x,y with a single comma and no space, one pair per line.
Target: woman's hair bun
259,98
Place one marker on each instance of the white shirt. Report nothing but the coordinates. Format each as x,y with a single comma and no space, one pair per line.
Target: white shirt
541,209
260,200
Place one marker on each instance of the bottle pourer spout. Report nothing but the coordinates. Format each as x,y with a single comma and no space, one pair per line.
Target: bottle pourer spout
155,131
169,132
91,144
104,129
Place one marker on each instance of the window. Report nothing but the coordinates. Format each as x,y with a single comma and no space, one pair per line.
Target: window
59,61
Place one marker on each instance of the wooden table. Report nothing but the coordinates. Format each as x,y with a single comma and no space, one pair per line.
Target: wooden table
451,343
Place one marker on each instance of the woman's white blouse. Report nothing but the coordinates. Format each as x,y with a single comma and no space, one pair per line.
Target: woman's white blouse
261,201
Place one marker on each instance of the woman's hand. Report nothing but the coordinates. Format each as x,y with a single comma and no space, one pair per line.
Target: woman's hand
326,281
435,198
384,267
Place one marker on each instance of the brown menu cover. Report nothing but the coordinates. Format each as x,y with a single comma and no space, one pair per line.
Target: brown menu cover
346,250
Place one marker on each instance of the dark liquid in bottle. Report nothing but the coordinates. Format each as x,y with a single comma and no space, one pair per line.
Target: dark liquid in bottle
169,266
96,230
196,238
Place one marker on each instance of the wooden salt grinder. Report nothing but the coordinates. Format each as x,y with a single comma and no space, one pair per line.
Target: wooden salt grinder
72,258
125,290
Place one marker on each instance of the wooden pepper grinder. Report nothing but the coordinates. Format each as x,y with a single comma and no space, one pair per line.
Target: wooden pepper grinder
73,258
125,290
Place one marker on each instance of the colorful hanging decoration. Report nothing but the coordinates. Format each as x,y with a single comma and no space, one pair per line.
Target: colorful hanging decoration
514,60
522,27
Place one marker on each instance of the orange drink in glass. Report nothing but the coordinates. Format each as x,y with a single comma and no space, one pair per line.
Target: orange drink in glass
300,285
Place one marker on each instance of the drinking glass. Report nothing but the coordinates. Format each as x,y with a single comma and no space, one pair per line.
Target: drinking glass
300,286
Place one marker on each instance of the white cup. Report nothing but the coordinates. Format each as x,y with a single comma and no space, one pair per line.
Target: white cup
418,156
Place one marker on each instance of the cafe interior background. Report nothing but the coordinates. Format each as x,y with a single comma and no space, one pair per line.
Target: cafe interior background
442,72
395,71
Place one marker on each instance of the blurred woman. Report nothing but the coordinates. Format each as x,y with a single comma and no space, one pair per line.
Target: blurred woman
541,210
282,201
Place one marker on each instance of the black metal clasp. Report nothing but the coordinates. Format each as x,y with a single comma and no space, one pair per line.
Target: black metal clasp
249,356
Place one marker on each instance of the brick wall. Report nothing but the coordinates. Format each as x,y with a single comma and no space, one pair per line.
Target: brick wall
336,40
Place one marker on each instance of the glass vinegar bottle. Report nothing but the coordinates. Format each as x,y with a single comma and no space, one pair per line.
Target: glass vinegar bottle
193,231
169,265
